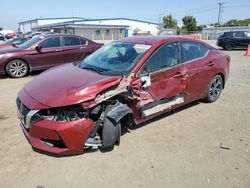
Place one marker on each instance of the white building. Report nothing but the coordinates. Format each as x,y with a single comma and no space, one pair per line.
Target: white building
136,27
94,29
29,25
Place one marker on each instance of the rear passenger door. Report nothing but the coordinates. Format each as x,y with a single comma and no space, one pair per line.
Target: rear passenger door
74,48
198,69
241,39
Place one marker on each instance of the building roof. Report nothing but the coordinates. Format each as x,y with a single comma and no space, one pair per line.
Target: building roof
58,18
105,19
65,25
79,19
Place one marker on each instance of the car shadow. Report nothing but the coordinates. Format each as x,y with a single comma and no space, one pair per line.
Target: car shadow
32,74
236,49
179,109
53,154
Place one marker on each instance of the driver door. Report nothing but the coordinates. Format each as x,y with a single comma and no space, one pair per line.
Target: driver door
162,80
51,54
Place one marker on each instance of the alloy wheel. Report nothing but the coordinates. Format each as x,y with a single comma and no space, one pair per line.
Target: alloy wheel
18,68
215,88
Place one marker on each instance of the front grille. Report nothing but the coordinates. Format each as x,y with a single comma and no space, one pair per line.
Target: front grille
23,110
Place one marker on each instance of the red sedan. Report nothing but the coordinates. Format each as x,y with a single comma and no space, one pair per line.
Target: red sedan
127,82
43,52
14,42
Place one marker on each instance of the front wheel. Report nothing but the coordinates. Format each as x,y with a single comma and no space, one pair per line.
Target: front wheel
111,130
214,89
17,68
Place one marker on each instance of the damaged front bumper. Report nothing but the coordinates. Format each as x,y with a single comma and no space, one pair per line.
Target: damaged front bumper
59,137
52,136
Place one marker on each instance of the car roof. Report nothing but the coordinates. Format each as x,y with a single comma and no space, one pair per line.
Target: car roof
144,39
155,40
234,31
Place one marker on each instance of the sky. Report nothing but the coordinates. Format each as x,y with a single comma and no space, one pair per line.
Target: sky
206,12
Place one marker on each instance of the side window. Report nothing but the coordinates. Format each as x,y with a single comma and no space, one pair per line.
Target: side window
51,42
192,50
166,56
71,41
17,41
83,41
240,34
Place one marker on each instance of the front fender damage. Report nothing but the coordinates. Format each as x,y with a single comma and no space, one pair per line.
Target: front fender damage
119,111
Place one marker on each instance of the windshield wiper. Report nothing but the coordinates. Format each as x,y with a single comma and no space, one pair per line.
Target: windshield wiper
93,69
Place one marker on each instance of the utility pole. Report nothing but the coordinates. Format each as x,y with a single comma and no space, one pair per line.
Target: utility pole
219,14
160,23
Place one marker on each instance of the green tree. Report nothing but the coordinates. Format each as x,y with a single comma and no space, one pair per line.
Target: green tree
235,22
1,28
189,23
169,22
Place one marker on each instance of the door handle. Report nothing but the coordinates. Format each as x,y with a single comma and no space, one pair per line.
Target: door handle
179,75
59,50
210,64
83,47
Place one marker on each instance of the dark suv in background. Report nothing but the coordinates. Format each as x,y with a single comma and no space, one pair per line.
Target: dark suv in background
234,39
43,52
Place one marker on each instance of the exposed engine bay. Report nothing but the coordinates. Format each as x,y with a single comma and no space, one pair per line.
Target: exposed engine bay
64,114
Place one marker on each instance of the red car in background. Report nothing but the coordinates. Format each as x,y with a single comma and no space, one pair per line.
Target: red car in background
81,105
10,35
12,43
43,52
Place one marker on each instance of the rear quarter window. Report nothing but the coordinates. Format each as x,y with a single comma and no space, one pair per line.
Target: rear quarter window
83,41
193,50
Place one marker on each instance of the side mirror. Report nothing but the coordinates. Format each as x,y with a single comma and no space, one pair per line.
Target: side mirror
145,81
38,48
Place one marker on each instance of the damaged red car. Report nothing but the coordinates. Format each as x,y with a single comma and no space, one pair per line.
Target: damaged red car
76,106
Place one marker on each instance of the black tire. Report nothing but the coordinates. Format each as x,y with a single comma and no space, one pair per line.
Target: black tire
17,68
111,131
229,46
214,89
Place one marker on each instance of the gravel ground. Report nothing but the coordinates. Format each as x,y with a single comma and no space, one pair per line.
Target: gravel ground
199,145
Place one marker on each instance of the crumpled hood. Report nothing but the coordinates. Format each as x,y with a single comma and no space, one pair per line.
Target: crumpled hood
67,84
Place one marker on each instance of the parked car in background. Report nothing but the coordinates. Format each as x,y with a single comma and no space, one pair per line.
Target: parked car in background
10,35
1,37
43,52
31,35
234,39
80,105
14,42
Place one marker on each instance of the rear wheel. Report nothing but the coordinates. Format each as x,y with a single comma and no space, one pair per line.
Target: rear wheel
214,89
229,46
17,68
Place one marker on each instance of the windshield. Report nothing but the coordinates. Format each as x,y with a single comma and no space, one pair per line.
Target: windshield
30,42
115,59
